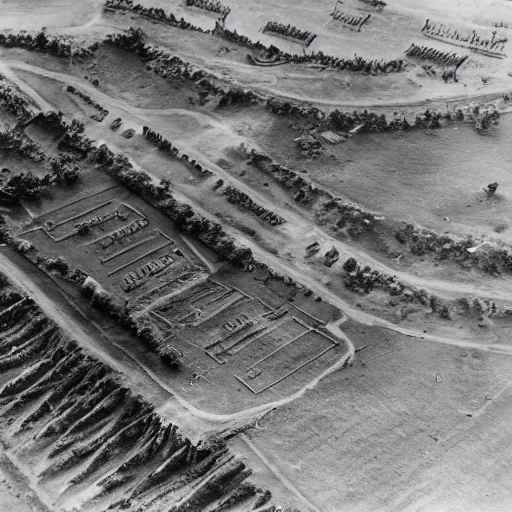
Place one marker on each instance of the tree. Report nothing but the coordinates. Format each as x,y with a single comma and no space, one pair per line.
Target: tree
164,188
71,176
170,355
3,280
59,264
24,186
350,265
491,188
83,229
41,39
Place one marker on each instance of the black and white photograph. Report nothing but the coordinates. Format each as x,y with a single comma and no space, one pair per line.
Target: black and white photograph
255,256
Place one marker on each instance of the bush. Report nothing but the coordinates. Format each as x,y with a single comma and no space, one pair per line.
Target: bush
350,265
22,246
58,264
83,229
25,186
3,280
7,298
89,287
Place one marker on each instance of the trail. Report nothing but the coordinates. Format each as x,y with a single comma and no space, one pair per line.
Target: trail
296,221
278,474
74,330
287,268
429,102
254,75
490,400
266,82
27,90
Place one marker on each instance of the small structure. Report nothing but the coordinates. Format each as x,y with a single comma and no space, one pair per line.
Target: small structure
352,21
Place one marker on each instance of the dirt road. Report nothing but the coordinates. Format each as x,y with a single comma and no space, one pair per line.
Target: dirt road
171,404
296,221
359,315
279,475
16,495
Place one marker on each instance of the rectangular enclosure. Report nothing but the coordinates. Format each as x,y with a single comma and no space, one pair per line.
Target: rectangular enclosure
286,360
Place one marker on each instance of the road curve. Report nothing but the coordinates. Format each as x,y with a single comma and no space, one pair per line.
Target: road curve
288,269
23,281
445,289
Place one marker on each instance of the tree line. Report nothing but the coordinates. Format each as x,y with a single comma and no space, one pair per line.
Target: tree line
59,46
358,64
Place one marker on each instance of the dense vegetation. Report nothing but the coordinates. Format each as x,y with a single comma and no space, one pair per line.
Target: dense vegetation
60,46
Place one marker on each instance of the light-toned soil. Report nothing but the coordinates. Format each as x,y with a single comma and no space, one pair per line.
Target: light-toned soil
386,435
387,35
50,13
15,492
211,138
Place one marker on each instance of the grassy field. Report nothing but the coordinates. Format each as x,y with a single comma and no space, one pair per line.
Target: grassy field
403,441
428,174
50,13
15,492
436,180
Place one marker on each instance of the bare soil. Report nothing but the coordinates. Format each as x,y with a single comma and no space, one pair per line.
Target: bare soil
15,492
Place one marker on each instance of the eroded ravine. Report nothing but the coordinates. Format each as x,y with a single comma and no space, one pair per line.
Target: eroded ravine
89,441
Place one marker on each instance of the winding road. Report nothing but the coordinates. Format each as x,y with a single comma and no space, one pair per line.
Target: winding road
297,222
173,405
56,307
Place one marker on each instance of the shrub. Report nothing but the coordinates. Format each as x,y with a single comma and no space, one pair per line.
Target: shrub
22,246
58,264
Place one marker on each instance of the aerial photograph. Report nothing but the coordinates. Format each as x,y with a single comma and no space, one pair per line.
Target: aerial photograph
255,255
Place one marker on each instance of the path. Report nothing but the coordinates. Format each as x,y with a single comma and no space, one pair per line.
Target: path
360,316
297,222
300,224
53,308
279,475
